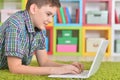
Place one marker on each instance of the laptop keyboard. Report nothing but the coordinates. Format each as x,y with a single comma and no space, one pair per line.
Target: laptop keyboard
85,72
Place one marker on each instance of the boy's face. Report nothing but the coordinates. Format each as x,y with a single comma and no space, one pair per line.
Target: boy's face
43,16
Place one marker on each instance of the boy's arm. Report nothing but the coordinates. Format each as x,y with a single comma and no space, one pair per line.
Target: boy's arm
16,67
43,59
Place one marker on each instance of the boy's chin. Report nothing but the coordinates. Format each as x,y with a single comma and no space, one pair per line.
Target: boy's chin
42,28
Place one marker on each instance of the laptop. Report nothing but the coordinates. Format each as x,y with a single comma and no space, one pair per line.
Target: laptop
94,67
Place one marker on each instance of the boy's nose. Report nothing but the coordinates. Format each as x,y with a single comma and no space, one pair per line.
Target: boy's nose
50,19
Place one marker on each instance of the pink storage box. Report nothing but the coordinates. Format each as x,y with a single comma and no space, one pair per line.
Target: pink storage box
66,48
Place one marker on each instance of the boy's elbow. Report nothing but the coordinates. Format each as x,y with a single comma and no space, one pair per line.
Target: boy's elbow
14,71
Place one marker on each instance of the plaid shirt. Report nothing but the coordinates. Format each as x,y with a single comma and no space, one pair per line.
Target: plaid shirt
18,38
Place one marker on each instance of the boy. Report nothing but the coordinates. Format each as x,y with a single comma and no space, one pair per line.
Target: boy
23,34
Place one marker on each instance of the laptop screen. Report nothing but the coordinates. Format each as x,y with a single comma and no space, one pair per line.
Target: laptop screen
98,58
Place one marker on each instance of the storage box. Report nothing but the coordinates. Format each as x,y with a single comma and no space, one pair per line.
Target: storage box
66,48
117,46
92,44
97,17
69,40
67,33
6,14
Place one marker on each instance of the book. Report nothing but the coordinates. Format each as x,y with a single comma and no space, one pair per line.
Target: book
77,15
59,18
116,17
68,15
119,18
62,15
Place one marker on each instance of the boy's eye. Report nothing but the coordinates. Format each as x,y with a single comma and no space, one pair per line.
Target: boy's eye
48,14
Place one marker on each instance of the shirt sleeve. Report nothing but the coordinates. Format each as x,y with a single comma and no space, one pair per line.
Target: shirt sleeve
12,42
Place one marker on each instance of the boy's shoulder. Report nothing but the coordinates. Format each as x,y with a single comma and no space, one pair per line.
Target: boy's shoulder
15,19
17,16
19,20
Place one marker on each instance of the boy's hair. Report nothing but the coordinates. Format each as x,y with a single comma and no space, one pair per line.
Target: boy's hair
41,3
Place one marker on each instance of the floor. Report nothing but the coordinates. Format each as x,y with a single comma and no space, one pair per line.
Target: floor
76,58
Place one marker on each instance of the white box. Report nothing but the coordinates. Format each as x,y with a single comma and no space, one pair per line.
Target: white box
97,17
5,14
92,44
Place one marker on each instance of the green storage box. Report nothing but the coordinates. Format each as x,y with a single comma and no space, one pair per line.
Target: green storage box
69,40
67,33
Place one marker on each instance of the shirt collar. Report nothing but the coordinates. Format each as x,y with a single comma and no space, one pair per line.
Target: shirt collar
28,22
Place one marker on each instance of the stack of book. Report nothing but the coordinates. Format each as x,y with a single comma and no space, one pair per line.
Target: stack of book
64,16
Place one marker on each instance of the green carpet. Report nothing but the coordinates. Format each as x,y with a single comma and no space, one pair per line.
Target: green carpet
107,71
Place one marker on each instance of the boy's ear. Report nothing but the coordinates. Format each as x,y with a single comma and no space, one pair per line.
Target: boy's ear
33,8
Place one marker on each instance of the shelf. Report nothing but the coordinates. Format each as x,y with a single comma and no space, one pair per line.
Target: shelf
8,7
82,29
115,54
115,41
98,32
24,4
72,6
49,34
97,12
76,32
11,4
115,12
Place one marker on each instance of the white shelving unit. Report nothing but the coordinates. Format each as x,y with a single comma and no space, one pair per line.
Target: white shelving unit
115,27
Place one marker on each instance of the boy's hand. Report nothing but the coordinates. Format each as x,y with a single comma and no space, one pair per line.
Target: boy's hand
79,66
67,69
